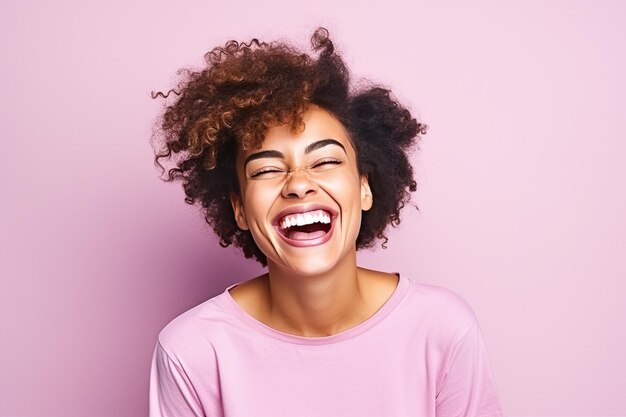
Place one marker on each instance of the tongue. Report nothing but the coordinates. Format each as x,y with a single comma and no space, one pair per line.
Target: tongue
298,235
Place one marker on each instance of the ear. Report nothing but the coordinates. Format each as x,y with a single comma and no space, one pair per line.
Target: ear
367,199
240,217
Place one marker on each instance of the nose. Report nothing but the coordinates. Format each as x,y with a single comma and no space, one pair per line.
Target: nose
298,185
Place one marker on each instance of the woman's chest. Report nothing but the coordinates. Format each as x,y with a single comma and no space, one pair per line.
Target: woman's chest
371,379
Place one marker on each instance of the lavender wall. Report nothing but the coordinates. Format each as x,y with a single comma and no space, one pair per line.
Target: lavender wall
519,187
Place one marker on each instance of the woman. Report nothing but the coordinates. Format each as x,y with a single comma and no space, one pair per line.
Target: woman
299,168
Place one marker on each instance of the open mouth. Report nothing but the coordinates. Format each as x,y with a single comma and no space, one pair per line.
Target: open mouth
310,225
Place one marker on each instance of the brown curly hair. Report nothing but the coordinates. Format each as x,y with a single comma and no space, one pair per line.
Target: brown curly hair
246,88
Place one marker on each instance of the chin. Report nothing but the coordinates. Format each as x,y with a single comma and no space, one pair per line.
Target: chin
314,266
310,261
311,265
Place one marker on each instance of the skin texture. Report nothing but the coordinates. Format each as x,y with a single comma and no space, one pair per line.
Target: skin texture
315,290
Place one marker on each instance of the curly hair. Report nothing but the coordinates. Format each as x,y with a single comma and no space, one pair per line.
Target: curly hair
245,89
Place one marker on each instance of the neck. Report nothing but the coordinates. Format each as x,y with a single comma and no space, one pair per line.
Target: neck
319,305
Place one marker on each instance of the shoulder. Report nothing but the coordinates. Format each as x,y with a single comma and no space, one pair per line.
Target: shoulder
440,308
440,299
189,332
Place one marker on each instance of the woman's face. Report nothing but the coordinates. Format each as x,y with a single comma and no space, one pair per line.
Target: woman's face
302,196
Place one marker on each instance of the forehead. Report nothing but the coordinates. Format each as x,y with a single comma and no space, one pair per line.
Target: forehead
319,124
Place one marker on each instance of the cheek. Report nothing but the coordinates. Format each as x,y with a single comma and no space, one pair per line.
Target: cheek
345,189
258,202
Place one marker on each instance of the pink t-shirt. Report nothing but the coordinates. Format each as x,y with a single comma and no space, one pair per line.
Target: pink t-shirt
421,354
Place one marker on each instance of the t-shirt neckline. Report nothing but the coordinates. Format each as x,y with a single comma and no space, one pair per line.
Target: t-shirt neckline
231,305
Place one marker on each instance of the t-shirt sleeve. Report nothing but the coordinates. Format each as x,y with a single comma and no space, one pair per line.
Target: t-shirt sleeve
468,388
171,392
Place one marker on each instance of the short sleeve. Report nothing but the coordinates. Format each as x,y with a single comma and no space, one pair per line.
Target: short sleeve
171,392
468,387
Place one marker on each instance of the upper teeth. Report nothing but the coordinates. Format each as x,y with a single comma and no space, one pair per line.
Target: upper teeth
300,219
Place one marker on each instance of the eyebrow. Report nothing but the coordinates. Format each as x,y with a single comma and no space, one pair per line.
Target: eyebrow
277,154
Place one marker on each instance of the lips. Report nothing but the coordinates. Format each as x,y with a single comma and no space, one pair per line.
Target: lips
306,225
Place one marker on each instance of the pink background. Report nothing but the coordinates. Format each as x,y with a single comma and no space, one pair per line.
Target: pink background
519,187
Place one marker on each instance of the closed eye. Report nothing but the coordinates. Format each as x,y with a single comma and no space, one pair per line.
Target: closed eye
326,161
266,172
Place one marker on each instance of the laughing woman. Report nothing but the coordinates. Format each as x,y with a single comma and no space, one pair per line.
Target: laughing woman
299,168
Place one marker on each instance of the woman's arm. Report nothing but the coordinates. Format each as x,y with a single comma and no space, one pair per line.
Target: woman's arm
468,388
171,392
